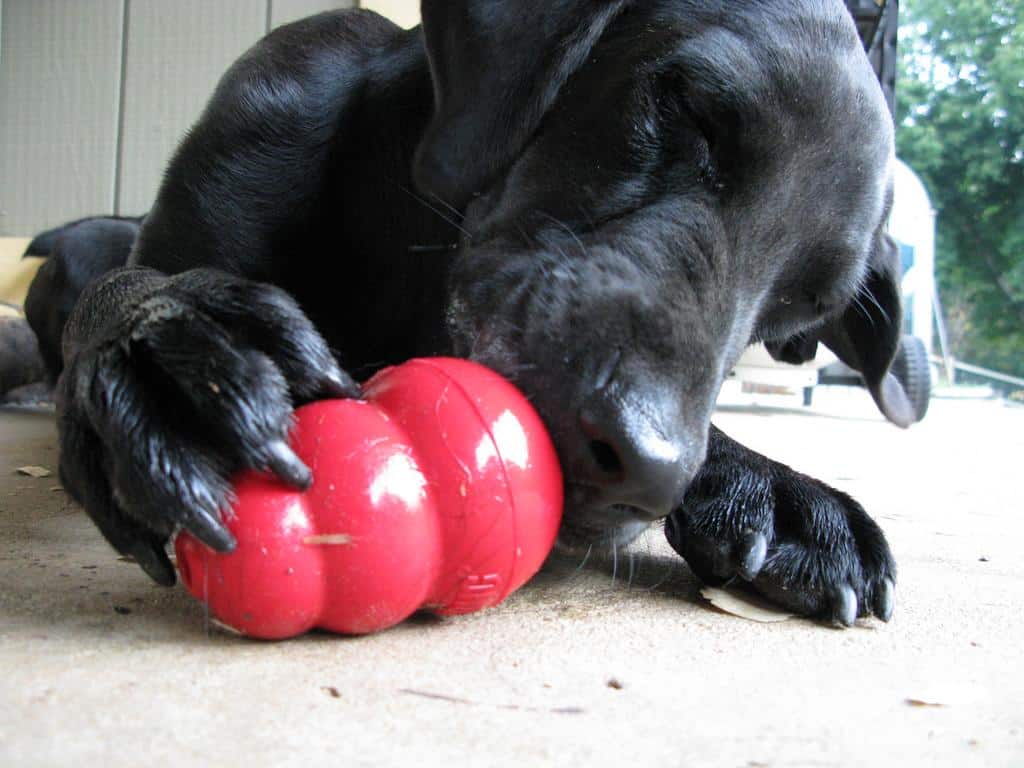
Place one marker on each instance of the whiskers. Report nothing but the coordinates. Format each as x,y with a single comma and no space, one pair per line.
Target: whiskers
627,560
630,556
620,547
567,229
863,292
583,562
879,307
446,213
453,210
433,248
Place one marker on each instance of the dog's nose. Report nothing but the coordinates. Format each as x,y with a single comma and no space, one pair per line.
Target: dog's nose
635,453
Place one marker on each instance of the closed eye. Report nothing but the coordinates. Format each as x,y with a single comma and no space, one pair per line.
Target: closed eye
685,140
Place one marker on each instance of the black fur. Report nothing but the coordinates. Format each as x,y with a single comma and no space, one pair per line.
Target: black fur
47,241
798,542
21,366
606,205
78,253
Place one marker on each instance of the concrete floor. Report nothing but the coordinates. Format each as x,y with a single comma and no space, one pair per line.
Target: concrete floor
98,666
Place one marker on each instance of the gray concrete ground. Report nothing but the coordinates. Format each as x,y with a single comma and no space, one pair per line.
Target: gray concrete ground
98,666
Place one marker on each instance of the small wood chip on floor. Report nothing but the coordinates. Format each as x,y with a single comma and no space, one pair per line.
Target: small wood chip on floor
744,606
34,471
922,703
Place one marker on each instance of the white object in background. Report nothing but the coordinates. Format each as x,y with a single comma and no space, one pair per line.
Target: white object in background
912,224
405,13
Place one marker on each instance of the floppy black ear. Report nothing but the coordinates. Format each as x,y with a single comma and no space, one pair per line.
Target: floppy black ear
497,67
867,334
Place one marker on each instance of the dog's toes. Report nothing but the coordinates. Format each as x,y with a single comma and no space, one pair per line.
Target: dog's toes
714,560
751,551
799,543
153,560
336,383
883,600
208,528
843,606
283,462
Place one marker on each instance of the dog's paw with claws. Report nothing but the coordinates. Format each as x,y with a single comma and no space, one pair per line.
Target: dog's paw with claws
193,382
796,541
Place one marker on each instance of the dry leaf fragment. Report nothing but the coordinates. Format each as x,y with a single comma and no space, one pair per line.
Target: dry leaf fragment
744,606
921,703
34,471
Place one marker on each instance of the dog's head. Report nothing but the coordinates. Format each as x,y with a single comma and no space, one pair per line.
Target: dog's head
648,187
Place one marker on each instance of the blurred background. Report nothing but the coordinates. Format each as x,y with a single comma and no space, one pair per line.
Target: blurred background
95,94
960,126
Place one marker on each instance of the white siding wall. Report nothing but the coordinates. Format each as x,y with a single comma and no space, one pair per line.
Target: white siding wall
405,13
60,65
95,95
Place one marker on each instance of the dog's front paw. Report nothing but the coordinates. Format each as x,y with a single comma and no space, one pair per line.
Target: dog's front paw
795,540
195,383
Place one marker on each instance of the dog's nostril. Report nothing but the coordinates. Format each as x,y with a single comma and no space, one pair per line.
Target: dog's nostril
606,457
626,459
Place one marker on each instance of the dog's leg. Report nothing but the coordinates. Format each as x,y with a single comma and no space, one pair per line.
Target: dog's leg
172,385
184,370
795,540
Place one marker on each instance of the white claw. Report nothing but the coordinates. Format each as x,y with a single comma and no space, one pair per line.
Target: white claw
755,548
845,606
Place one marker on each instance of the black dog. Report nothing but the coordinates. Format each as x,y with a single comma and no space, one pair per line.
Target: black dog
604,200
77,253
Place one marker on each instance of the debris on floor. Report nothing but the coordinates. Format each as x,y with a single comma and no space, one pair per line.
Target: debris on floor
34,471
744,606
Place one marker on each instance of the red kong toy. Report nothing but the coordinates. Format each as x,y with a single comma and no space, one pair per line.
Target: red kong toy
440,491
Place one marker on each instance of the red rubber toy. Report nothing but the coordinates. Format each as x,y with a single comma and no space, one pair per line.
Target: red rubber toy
441,491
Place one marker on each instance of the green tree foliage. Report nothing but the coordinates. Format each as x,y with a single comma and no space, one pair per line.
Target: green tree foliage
960,125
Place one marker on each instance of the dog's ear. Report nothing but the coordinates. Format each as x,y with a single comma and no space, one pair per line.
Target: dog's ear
497,67
867,334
